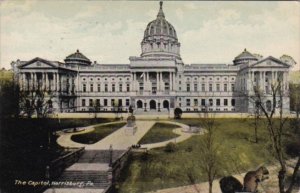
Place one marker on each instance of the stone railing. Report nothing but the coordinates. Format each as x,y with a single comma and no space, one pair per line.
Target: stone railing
58,165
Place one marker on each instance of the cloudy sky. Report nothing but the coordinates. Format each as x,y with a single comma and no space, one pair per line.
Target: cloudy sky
111,31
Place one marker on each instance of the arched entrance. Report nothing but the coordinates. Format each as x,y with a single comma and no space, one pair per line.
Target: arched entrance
139,104
166,104
152,104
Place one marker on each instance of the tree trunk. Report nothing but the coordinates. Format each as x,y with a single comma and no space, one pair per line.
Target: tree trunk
281,179
210,186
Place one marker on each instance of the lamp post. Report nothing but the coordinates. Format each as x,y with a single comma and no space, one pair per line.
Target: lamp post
110,155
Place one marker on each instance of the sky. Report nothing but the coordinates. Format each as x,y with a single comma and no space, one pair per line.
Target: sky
110,31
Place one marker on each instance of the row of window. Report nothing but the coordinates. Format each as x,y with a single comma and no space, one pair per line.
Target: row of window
211,87
208,102
98,79
113,88
96,102
218,79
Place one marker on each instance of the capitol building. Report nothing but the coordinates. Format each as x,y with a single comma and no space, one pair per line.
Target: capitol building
156,81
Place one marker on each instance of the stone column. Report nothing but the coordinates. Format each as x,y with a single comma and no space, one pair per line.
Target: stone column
46,81
171,80
161,81
58,81
157,81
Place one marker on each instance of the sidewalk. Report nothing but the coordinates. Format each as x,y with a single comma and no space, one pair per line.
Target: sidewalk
118,139
182,136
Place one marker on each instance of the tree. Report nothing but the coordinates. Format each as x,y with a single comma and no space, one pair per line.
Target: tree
269,105
209,161
295,104
257,118
35,102
9,94
177,113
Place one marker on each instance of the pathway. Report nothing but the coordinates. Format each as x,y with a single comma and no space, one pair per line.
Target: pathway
118,139
179,131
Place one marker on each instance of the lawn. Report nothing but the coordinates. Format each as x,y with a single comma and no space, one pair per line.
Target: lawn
158,133
99,133
158,169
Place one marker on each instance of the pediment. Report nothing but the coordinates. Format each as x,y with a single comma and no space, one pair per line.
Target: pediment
37,63
270,62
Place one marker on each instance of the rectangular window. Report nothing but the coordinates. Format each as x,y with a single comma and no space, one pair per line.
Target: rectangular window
179,82
232,87
203,87
84,87
91,102
195,102
233,102
180,88
113,88
218,87
225,102
120,87
120,103
83,102
218,102
127,87
91,88
105,102
127,102
98,88
211,103
203,102
225,87
188,102
98,102
196,87
167,86
210,87
106,87
112,102
141,86
188,87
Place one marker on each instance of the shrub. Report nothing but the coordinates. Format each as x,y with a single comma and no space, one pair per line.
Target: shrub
170,147
177,113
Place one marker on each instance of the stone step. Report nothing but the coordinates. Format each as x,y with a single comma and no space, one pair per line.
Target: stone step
99,156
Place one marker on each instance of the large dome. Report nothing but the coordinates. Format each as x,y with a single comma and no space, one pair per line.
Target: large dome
77,58
160,38
244,57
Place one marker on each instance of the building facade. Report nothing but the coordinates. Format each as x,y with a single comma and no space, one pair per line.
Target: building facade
157,80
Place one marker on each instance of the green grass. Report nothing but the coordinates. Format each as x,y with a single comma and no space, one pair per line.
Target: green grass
158,133
158,169
99,133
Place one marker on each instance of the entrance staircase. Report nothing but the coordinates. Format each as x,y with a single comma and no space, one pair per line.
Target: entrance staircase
90,174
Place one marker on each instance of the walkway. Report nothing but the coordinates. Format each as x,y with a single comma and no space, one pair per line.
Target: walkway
179,131
119,139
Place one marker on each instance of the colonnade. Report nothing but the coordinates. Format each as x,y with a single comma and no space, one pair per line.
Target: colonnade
40,80
258,78
159,81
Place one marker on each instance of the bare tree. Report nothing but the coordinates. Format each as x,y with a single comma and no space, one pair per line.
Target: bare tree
209,161
269,105
38,102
